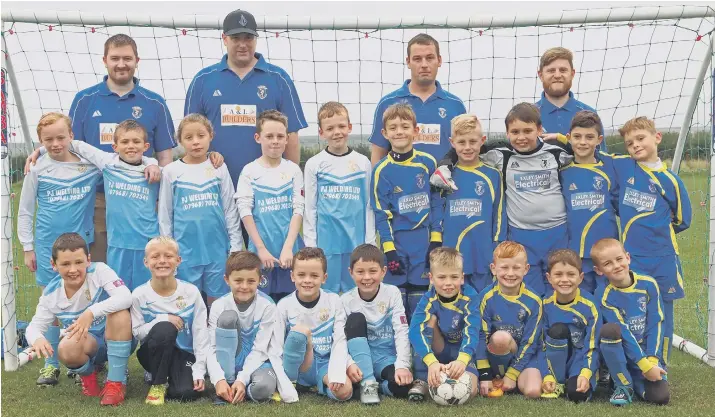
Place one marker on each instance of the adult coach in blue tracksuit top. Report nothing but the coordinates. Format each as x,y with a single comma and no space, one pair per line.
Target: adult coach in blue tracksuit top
233,92
97,110
557,104
433,106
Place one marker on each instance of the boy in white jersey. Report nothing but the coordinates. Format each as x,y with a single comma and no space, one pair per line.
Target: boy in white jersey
92,303
169,319
315,352
61,187
338,216
376,327
246,338
196,208
270,202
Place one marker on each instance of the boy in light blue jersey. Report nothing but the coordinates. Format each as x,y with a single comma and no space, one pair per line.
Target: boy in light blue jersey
376,327
92,303
474,214
654,206
590,190
61,189
246,339
632,339
338,216
196,207
406,207
572,325
270,202
131,182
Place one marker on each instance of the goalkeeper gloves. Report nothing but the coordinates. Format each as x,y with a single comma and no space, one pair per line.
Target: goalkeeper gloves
432,246
442,179
394,264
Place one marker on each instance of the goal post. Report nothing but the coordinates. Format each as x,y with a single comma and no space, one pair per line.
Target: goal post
630,61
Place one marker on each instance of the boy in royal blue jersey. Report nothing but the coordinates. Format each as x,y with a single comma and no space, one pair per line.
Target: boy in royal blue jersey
406,215
511,327
270,202
60,188
474,214
590,191
572,325
196,208
653,206
632,339
338,216
376,327
92,303
445,328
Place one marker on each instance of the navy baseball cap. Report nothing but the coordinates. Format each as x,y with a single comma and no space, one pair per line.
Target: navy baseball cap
239,21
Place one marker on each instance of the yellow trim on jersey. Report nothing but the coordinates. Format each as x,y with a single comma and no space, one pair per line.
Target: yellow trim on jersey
388,246
464,358
673,239
630,222
420,222
530,341
652,176
378,170
425,154
645,365
483,364
429,359
512,374
501,202
483,305
465,231
679,215
594,312
492,192
481,174
467,325
591,167
435,237
660,311
585,230
586,373
424,323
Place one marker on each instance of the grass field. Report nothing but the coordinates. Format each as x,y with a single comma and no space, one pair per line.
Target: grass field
692,382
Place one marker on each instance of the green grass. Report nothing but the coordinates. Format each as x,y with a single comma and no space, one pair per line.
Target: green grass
691,380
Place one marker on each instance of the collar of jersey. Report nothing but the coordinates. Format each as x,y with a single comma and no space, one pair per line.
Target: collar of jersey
597,164
470,169
629,288
556,302
549,107
261,65
105,91
539,145
512,297
404,91
394,161
646,168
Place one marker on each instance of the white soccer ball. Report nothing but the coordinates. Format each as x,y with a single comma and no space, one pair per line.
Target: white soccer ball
452,391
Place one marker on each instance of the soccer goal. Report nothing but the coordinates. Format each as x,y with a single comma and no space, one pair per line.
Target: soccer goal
652,61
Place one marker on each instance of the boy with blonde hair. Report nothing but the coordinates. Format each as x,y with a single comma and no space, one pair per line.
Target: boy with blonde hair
60,188
474,214
632,339
406,208
270,202
509,340
445,329
653,206
338,216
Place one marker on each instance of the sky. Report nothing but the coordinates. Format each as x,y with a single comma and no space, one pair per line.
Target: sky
621,71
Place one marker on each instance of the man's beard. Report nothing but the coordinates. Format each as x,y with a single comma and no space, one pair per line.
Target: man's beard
560,92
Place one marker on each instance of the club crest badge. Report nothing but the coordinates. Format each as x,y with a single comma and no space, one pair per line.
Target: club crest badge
136,112
323,315
382,307
479,187
420,180
263,283
262,92
642,303
597,183
180,302
442,112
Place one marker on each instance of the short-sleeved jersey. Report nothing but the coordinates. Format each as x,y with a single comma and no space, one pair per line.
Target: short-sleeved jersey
272,196
102,293
591,195
196,208
63,194
532,188
387,330
96,111
458,322
257,323
475,209
402,198
338,216
558,119
232,105
326,321
653,206
434,117
149,308
519,315
584,322
131,200
638,310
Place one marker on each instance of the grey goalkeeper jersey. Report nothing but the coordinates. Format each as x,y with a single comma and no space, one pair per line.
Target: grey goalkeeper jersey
533,192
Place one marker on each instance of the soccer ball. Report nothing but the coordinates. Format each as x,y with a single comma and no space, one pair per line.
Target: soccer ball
452,391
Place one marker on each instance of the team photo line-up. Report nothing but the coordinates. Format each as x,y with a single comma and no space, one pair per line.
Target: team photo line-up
441,267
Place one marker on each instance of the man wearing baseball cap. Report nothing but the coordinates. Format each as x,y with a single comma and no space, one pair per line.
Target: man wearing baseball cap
233,92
